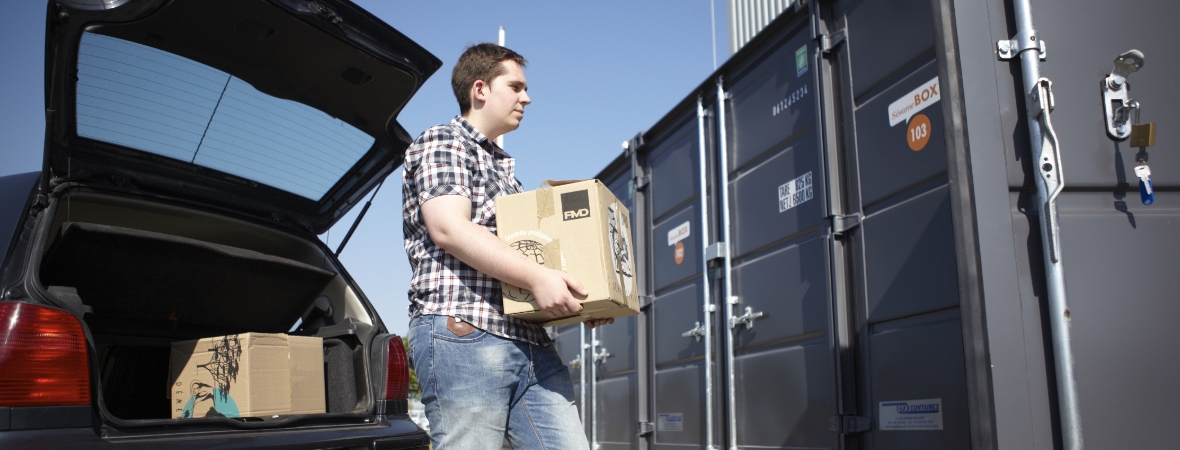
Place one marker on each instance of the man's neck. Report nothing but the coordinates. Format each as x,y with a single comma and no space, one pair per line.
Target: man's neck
475,120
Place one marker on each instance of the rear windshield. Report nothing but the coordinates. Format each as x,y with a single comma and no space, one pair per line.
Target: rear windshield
157,102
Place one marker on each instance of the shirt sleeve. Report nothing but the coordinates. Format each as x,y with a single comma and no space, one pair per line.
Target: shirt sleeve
445,167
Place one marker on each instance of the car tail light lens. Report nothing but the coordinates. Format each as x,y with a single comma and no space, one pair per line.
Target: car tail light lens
43,357
397,371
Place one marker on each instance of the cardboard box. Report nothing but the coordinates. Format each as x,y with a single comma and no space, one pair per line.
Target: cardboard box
580,228
247,375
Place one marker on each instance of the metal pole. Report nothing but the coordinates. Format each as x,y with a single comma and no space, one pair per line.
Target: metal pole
1049,184
729,300
594,389
708,306
582,371
500,138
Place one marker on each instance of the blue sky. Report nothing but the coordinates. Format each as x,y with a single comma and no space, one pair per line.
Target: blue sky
599,72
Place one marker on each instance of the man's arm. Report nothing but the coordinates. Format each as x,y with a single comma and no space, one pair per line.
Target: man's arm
448,221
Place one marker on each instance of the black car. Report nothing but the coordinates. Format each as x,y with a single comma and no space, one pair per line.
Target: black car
194,151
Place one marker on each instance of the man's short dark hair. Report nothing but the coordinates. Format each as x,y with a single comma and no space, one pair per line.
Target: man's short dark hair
479,62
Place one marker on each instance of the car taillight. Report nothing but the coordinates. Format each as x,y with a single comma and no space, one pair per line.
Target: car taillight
397,371
43,358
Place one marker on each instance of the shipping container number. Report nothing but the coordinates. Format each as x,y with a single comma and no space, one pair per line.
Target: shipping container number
789,100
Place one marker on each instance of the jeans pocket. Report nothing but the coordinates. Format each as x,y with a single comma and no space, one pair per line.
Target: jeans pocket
455,330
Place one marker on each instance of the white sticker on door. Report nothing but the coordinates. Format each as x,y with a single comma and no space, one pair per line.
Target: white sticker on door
921,98
678,234
670,422
794,192
911,415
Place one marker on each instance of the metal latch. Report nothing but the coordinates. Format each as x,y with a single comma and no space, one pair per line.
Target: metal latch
827,43
645,428
716,251
1116,101
842,224
849,424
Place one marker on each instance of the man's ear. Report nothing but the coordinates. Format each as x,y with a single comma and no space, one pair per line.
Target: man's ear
479,91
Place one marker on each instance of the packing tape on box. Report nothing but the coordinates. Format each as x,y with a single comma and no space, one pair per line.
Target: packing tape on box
553,255
544,202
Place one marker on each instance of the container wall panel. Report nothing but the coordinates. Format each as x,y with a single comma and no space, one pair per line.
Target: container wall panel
785,396
889,35
675,313
887,162
791,287
920,359
910,257
679,394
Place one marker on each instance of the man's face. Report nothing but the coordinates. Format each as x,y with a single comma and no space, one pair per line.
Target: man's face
505,98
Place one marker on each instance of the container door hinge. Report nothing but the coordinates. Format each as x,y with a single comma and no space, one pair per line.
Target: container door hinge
716,251
849,424
827,43
645,300
641,182
842,224
645,429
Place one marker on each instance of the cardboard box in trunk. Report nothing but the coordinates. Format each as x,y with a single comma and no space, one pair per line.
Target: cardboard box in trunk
580,228
247,375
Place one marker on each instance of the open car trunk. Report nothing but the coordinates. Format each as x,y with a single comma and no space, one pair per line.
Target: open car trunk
143,274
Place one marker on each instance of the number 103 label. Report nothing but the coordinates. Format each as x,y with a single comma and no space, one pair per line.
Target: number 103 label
919,132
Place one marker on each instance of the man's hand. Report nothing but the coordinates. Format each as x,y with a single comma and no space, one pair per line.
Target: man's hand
554,291
598,322
448,221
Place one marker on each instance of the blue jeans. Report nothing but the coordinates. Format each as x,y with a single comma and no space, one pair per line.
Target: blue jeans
479,389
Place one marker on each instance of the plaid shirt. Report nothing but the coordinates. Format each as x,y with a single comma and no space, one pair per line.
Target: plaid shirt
456,159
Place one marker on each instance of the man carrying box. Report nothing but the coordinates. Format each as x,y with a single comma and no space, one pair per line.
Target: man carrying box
484,376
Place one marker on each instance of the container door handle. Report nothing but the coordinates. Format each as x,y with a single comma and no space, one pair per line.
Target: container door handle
695,333
748,319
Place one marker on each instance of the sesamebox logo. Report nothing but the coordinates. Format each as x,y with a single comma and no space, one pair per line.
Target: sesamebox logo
575,205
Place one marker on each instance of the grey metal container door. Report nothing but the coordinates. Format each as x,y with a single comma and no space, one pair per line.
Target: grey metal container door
616,357
784,383
676,362
911,377
1119,255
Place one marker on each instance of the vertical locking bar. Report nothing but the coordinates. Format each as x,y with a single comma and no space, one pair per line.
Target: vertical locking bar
730,383
703,178
593,389
1049,185
582,371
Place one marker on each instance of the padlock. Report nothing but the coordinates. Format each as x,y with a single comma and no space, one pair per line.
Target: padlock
1143,134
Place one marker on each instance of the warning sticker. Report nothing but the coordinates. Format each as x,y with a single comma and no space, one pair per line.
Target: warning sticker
921,98
678,234
801,61
911,415
670,422
795,192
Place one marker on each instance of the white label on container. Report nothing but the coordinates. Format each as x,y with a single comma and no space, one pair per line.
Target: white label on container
911,415
794,192
678,234
921,98
670,422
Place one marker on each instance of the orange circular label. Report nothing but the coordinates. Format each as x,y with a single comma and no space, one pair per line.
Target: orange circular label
679,252
919,132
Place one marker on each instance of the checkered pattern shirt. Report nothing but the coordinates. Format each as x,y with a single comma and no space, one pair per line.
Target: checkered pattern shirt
456,159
